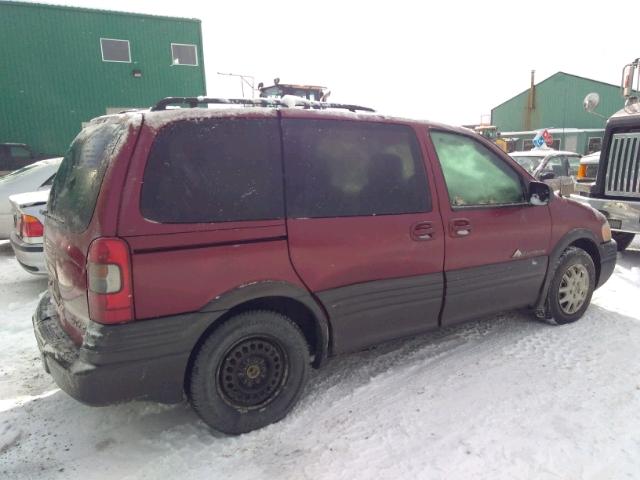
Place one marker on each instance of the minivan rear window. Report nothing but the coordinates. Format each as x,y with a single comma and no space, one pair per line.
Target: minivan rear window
214,170
77,184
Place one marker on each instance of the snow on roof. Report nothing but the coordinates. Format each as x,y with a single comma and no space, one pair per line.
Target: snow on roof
626,112
541,152
592,158
158,119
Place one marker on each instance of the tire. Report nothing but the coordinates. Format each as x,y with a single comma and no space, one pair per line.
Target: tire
623,239
249,372
572,286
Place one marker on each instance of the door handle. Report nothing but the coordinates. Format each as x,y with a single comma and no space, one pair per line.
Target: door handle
460,227
422,231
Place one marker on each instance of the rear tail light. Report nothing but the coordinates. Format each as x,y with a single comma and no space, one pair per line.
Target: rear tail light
109,281
29,226
582,172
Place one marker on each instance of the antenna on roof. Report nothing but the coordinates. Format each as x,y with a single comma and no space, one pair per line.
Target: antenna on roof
249,80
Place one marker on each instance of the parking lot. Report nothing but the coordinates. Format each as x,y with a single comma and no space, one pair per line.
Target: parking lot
504,397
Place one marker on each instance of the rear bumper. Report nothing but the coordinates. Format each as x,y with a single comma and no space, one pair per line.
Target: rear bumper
116,363
608,253
30,256
623,215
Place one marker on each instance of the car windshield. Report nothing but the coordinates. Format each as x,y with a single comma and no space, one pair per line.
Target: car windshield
529,163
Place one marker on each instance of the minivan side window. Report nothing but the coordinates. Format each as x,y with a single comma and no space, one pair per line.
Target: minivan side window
343,168
215,170
474,175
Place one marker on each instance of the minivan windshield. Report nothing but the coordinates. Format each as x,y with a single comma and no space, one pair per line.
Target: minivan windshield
77,183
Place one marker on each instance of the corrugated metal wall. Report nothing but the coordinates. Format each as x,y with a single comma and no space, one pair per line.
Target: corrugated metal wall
558,104
52,76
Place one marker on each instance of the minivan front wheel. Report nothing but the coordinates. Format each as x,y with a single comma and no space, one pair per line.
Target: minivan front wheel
572,286
249,372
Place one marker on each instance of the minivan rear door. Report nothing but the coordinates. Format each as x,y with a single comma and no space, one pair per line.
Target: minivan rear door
76,196
364,230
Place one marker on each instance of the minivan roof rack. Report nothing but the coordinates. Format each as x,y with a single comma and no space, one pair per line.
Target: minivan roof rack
286,101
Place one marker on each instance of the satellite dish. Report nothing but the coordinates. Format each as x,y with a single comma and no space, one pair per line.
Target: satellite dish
591,101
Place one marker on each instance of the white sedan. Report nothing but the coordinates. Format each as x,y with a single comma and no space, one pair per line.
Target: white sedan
28,235
33,177
555,167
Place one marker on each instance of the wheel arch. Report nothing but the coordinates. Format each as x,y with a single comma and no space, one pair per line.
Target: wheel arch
580,238
284,298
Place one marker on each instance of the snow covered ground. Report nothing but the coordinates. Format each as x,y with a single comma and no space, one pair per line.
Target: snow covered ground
506,397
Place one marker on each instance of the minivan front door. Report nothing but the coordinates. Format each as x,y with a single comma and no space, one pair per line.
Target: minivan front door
364,230
497,244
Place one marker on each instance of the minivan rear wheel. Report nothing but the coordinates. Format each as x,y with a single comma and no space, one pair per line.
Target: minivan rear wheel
572,286
249,372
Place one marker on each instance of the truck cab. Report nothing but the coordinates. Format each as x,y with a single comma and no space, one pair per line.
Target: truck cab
616,191
278,90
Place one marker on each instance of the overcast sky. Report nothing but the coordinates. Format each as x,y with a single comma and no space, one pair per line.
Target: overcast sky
444,60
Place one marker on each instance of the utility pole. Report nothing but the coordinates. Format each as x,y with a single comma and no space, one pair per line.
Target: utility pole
249,80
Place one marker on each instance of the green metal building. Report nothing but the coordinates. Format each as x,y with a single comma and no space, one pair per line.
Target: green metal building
556,103
62,66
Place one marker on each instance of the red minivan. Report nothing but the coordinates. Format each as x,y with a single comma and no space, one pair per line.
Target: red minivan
218,253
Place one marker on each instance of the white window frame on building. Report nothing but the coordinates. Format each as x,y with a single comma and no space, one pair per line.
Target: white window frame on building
175,59
115,40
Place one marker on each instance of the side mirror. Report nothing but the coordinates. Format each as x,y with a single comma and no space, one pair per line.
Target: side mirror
539,193
591,101
547,175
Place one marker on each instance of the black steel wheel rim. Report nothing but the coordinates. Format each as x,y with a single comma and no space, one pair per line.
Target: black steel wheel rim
252,372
